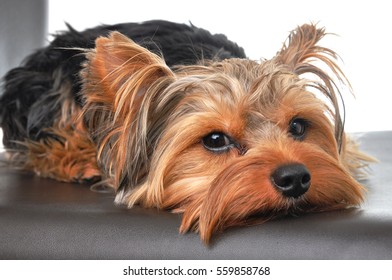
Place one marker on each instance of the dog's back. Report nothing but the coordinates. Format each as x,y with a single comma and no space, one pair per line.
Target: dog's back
32,93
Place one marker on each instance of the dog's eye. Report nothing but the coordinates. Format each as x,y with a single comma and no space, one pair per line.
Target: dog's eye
298,128
217,142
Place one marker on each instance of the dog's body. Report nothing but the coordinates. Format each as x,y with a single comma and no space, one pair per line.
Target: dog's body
200,130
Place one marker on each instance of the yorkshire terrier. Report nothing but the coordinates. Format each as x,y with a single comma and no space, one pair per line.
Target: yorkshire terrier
173,117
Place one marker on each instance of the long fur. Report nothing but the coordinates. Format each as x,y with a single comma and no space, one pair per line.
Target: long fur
139,120
50,75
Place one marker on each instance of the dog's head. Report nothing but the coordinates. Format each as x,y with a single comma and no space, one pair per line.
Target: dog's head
222,142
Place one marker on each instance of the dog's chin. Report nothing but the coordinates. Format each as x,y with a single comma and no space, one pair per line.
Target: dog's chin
225,205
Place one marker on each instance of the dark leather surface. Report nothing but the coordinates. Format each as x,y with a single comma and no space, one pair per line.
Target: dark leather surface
45,219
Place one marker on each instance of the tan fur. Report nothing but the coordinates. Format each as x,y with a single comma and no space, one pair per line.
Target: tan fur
115,79
148,122
73,159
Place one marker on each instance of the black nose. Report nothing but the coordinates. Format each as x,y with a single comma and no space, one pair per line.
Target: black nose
293,180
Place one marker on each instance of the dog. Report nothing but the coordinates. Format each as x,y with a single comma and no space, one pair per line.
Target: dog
173,117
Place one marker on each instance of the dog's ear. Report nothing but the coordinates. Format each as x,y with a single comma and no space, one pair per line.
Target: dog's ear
122,84
302,45
302,54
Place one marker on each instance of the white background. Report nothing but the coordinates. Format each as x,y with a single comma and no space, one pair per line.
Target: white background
260,27
113,270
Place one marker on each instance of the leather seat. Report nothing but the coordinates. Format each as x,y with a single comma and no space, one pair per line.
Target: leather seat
45,219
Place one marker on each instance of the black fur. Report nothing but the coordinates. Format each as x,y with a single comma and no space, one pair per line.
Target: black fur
30,96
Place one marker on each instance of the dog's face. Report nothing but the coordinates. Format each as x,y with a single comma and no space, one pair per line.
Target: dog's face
223,142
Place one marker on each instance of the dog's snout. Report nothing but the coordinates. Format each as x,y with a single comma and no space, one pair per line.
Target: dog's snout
293,180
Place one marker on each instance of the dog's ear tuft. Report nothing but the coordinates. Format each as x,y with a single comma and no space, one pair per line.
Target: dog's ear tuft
302,54
122,82
301,45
